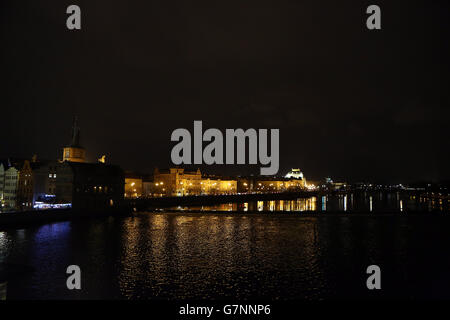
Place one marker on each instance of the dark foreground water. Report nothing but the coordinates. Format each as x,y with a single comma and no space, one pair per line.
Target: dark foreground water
232,256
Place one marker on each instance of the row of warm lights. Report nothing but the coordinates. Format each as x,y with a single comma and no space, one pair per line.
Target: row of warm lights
271,185
215,183
160,183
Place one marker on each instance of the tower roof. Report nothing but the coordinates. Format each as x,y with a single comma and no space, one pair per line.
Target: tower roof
75,142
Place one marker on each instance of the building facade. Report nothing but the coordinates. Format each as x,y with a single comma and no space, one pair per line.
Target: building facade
89,186
177,182
213,185
10,189
262,184
133,185
2,184
36,184
25,187
147,186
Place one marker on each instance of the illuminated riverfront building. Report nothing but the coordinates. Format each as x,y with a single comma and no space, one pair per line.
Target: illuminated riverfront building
292,181
74,152
25,187
214,185
278,185
27,184
177,182
10,189
36,184
138,185
9,169
266,184
133,185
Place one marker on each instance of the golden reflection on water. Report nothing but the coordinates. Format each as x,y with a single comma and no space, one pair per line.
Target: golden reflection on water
260,205
362,202
297,205
155,246
225,255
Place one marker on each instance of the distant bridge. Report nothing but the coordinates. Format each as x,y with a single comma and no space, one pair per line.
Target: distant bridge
143,204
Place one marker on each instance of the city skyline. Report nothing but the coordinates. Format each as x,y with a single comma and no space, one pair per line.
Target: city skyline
350,103
214,169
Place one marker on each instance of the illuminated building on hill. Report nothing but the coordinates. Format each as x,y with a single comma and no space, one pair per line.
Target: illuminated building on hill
294,173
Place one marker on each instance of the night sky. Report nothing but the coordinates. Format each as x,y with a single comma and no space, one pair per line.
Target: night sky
350,103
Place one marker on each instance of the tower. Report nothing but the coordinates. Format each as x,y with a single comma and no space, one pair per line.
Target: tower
74,152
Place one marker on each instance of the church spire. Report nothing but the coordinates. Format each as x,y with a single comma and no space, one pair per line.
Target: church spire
74,152
75,133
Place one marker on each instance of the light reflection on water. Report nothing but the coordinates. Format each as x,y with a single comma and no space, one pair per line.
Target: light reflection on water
229,256
350,202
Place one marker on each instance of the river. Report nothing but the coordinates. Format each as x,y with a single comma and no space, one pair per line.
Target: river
275,256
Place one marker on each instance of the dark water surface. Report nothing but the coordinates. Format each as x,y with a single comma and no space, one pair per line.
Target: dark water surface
232,256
